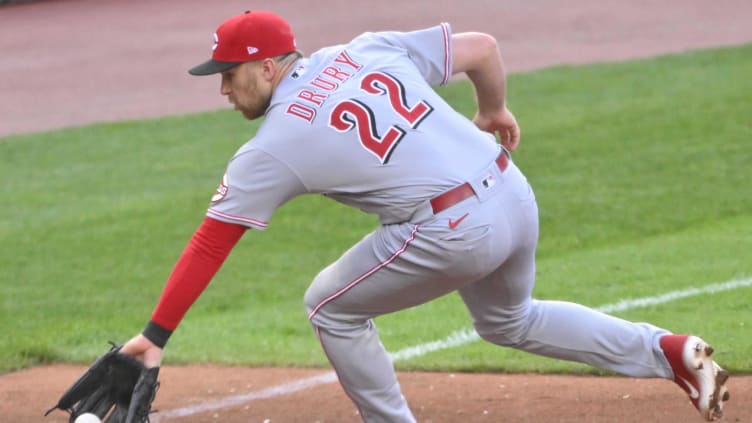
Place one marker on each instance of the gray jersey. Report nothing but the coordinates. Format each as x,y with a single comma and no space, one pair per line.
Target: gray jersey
360,123
356,123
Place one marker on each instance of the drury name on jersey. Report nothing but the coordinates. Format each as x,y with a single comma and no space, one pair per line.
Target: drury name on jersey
328,80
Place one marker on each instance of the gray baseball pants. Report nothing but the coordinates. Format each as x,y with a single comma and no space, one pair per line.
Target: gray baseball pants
489,258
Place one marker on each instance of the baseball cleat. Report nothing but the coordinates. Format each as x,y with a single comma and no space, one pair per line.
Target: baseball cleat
697,374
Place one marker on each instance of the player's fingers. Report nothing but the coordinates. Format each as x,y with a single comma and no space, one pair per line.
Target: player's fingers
503,136
515,136
510,137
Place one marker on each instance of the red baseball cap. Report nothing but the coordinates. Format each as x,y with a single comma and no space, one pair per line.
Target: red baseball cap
253,35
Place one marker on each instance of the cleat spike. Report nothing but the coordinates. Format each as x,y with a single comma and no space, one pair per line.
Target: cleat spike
726,396
709,350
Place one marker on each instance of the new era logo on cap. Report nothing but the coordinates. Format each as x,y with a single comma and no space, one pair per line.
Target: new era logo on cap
247,37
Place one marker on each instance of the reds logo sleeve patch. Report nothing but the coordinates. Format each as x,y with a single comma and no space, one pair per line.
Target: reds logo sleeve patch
221,191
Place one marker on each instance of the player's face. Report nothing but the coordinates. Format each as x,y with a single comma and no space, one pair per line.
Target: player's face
248,88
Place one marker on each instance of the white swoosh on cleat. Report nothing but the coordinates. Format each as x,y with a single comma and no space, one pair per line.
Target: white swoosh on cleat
692,390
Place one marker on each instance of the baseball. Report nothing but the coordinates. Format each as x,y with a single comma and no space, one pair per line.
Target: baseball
87,418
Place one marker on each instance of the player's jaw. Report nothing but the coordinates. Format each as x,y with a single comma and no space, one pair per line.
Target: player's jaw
246,90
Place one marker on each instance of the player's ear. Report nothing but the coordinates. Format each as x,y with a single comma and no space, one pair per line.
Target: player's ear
269,68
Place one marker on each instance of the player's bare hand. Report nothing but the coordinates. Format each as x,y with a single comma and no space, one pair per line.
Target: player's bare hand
502,123
140,347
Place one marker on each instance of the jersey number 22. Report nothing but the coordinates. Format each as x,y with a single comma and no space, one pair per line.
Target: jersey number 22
352,113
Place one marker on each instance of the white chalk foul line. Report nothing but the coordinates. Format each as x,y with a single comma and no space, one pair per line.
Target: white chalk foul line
455,339
234,400
675,295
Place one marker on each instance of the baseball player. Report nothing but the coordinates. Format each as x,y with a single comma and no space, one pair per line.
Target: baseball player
360,123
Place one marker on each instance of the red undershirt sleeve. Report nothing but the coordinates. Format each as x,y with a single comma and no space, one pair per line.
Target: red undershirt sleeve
200,261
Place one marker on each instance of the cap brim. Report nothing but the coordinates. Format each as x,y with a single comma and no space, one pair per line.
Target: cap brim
211,67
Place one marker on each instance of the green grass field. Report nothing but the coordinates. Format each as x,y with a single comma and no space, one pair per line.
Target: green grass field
642,172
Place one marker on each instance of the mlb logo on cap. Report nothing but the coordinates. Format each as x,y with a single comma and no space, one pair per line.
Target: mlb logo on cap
253,35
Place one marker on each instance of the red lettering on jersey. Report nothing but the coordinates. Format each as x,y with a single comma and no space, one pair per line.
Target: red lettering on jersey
345,59
299,110
328,80
312,96
335,73
325,85
354,113
351,114
382,83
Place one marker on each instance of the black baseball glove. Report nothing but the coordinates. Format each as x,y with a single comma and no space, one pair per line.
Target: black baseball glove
117,388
